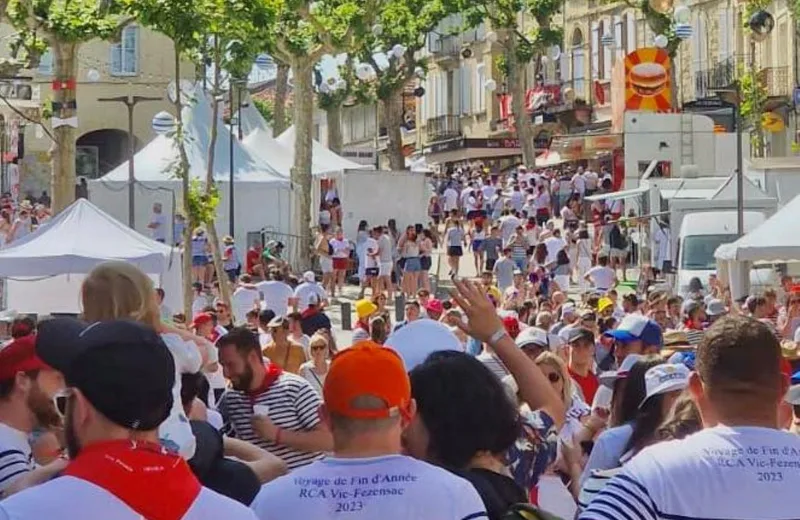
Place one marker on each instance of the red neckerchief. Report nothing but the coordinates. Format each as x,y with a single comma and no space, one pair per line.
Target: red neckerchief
273,372
135,473
308,312
361,325
691,326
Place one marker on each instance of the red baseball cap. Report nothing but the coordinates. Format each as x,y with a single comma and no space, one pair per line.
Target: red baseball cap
19,356
200,319
367,368
435,306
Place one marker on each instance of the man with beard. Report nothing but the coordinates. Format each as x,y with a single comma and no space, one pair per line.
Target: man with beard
268,407
24,405
119,377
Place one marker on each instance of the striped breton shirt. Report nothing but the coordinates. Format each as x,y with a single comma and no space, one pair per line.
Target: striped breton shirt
16,458
293,405
721,473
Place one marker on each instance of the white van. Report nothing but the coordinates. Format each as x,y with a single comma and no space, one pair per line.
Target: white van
699,237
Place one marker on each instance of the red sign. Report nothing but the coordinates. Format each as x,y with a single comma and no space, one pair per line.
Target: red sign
599,93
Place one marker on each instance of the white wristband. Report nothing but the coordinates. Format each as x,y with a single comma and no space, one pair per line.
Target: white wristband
497,336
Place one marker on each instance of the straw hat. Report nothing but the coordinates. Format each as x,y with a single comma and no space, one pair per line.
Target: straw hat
228,240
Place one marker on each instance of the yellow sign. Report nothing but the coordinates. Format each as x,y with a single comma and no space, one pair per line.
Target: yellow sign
772,122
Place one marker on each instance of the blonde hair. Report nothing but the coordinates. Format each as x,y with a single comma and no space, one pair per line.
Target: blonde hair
318,339
553,361
118,290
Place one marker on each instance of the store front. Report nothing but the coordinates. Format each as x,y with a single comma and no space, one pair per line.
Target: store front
495,153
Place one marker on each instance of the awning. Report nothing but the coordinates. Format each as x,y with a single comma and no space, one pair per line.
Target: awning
549,158
619,195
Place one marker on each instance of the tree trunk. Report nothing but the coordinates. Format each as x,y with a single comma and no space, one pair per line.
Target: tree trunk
522,120
188,294
335,139
392,112
279,107
303,70
211,227
62,176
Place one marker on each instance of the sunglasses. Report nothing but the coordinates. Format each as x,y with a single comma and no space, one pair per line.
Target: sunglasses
318,348
61,401
553,377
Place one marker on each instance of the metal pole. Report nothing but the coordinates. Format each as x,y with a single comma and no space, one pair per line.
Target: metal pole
739,173
131,177
231,204
239,109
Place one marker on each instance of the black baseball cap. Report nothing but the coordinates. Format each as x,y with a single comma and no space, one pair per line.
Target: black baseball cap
122,367
579,333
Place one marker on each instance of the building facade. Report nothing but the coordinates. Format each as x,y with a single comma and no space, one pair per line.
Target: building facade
140,64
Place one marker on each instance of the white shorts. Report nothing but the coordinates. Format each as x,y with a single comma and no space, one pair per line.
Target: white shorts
326,264
385,269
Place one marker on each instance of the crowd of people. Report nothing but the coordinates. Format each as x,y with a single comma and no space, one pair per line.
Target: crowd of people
20,218
540,388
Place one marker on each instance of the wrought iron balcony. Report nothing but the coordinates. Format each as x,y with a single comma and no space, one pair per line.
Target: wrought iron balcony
719,76
444,46
443,127
776,80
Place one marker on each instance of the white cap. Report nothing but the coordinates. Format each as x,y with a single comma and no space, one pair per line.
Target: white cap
533,336
309,277
665,378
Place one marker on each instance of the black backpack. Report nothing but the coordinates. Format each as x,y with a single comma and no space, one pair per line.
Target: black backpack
528,512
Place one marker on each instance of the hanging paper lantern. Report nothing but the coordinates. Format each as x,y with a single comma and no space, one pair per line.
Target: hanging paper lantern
544,60
419,91
761,24
661,41
377,29
555,52
341,84
398,51
480,67
163,122
682,14
419,72
683,31
324,88
365,72
491,37
661,6
93,75
382,64
331,81
263,61
491,85
607,40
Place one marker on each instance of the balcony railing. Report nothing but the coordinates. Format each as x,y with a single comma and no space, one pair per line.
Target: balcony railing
443,127
719,76
776,81
445,46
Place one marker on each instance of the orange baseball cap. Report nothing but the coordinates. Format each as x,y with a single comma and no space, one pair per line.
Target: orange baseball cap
367,368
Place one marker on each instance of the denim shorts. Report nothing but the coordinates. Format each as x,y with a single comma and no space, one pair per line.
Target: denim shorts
199,261
412,265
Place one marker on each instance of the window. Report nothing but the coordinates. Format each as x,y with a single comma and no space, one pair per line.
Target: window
480,91
578,65
125,54
46,63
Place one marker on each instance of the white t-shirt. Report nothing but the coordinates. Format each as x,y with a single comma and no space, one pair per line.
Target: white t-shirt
243,300
601,276
276,296
371,247
393,487
450,199
720,472
307,290
554,245
175,432
160,229
15,455
198,304
517,200
592,180
71,498
508,225
385,249
488,192
341,248
580,183
542,200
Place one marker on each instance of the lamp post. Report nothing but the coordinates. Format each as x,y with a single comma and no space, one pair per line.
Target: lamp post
235,125
130,101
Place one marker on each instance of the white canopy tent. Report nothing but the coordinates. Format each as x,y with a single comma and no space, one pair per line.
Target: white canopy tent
252,119
261,192
323,160
44,270
772,241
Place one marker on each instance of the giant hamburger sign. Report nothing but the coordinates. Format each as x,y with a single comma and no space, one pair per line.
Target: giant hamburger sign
648,80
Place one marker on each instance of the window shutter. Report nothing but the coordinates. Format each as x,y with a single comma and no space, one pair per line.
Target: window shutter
607,52
132,49
595,43
724,36
480,90
618,48
565,72
631,18
116,58
703,37
696,47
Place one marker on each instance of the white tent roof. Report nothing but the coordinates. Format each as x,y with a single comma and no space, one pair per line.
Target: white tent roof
155,161
772,241
323,159
76,240
252,119
262,145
